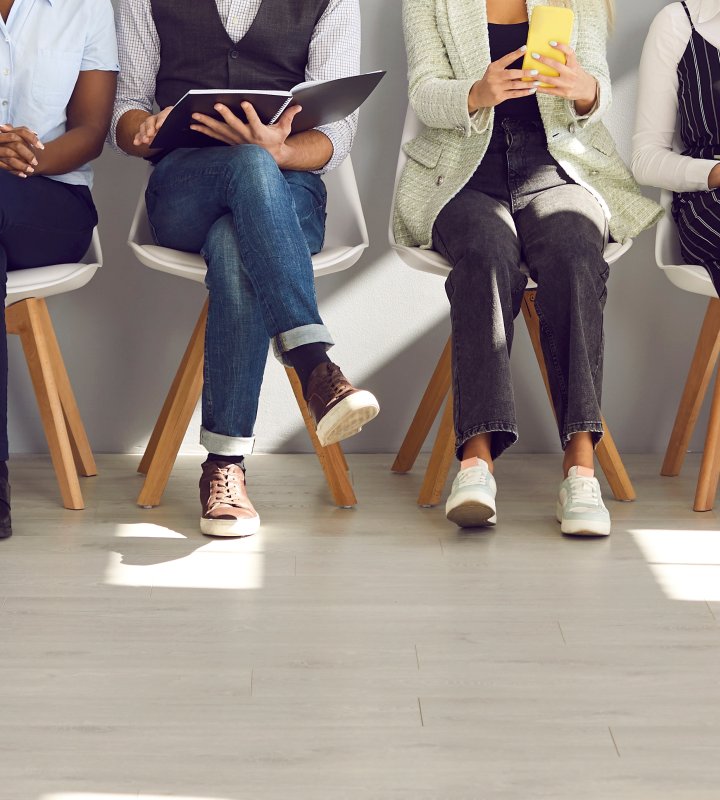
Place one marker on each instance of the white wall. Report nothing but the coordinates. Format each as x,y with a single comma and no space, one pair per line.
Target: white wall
124,334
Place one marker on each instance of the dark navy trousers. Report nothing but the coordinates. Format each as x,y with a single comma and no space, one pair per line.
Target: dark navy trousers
42,222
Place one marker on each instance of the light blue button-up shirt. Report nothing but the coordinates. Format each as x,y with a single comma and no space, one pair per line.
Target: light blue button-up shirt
44,45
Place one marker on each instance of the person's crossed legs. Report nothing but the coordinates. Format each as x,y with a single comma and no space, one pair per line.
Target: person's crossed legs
257,228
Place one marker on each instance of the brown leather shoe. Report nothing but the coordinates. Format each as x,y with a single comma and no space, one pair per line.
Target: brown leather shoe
338,408
226,508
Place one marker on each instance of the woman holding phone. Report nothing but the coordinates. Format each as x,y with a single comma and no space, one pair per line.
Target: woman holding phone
508,170
58,68
679,79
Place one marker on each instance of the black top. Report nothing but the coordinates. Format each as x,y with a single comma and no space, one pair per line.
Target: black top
699,107
503,40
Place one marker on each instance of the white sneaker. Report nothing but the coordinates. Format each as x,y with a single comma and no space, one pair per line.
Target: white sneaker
580,508
472,500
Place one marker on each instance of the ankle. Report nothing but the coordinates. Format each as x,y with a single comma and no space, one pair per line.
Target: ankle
239,460
306,359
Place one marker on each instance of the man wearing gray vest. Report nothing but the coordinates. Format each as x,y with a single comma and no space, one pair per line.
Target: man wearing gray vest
255,209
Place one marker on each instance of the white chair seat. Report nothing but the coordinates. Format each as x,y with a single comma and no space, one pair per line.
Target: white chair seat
192,266
55,279
345,223
688,277
432,262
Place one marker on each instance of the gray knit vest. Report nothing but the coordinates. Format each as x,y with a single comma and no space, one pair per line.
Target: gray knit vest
197,53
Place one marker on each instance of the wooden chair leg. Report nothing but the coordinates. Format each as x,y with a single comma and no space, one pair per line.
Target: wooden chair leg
82,452
26,319
607,453
429,408
172,395
440,459
175,417
696,386
332,459
710,467
613,467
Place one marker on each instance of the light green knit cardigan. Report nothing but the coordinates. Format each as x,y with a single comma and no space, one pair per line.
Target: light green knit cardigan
448,50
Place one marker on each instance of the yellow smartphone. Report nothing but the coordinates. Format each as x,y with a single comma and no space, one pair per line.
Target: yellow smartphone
548,24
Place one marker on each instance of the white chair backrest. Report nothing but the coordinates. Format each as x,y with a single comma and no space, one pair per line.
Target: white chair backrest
668,255
345,219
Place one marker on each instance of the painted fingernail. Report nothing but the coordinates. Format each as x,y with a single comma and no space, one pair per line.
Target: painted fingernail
537,83
34,162
553,44
536,56
40,145
523,48
532,91
534,71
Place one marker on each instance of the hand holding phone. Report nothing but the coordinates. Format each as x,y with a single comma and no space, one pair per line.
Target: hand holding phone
548,24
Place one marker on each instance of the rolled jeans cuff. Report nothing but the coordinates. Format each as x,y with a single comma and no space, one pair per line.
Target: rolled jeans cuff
226,445
297,337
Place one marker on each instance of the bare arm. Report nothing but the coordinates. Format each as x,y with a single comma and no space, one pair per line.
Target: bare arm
88,121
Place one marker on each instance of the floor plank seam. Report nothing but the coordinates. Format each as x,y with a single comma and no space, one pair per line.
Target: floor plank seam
562,633
417,657
422,720
709,607
612,736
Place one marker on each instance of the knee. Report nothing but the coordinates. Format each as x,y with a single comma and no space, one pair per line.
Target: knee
252,169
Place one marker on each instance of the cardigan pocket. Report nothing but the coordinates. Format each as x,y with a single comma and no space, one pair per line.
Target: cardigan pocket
603,142
424,151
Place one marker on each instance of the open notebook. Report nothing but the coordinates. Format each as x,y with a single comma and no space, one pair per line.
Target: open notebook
322,102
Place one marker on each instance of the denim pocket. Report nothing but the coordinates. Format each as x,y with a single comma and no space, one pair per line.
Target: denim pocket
55,74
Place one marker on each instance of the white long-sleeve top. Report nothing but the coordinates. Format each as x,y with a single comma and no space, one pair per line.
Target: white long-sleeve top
654,163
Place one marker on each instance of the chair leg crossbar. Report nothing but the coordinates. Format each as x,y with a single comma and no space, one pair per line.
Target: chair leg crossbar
65,433
439,392
702,367
177,411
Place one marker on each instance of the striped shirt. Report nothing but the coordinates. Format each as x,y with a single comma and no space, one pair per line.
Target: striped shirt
334,53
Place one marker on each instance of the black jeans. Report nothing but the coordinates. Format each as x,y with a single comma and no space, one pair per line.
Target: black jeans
42,222
521,206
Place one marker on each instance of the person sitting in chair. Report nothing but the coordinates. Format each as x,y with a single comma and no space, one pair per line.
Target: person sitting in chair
254,205
680,80
58,71
511,168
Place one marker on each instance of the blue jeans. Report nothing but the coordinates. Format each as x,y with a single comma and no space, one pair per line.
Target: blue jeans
257,227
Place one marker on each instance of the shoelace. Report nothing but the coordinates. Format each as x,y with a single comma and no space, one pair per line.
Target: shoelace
583,492
226,488
337,382
473,476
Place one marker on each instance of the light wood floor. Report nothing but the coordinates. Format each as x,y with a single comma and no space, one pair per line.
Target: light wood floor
375,653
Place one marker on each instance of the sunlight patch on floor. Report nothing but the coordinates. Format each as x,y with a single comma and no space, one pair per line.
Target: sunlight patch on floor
184,563
686,564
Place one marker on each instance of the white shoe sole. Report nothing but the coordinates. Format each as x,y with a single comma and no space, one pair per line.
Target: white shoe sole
347,418
231,529
472,514
578,527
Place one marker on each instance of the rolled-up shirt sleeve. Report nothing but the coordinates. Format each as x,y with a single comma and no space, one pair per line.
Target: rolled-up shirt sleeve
335,53
139,57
